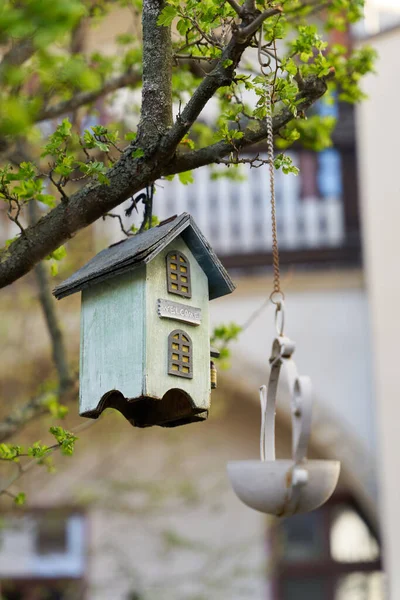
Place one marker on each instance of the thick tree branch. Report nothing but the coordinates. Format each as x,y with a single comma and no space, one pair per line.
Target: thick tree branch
313,89
127,177
220,76
156,112
81,98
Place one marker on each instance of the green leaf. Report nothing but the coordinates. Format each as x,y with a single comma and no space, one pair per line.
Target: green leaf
20,499
284,162
37,450
183,26
130,136
59,254
65,439
186,177
138,153
57,410
167,15
10,452
47,199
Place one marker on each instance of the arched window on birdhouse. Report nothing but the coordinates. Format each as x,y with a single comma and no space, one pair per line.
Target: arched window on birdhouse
178,274
180,358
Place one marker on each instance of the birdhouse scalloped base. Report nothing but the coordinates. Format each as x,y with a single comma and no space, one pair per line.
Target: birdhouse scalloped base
175,408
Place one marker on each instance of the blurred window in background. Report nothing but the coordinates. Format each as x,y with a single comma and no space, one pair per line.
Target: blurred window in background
329,554
42,555
51,535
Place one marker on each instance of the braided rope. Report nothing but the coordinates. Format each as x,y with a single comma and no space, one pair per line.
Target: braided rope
270,150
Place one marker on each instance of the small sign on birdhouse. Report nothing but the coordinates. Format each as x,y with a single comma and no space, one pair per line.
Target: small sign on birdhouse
145,339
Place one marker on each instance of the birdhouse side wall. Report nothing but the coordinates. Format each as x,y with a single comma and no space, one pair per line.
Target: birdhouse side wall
158,329
112,338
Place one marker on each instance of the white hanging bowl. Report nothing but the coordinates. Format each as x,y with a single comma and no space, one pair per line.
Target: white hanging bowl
267,486
284,487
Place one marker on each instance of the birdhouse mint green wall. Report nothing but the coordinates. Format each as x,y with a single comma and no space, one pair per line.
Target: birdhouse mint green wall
145,347
157,329
124,341
112,338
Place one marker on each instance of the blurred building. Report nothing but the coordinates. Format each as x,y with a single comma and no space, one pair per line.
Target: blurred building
378,133
150,514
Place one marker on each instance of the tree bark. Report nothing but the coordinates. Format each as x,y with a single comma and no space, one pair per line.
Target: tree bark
156,112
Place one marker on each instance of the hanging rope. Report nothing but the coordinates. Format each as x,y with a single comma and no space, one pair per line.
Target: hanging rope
277,295
275,248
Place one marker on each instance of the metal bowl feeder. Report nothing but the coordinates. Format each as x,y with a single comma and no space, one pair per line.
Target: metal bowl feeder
291,486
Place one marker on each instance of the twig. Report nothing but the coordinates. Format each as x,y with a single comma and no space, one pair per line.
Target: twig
22,469
58,185
258,21
15,218
115,216
255,163
22,415
148,208
211,39
193,57
314,88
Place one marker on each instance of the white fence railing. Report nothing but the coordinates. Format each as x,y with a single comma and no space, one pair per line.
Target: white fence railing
235,216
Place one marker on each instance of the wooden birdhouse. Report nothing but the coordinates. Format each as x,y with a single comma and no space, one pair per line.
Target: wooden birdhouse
145,339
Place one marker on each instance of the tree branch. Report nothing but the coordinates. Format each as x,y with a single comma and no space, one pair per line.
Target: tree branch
236,7
17,55
127,177
34,408
220,76
22,469
313,89
250,29
156,112
82,98
57,340
48,306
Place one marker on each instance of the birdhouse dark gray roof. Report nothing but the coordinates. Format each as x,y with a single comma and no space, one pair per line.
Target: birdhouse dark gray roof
141,248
